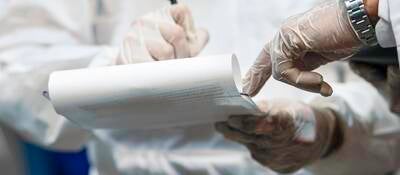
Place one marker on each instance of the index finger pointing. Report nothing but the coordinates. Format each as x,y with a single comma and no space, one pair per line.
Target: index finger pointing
259,73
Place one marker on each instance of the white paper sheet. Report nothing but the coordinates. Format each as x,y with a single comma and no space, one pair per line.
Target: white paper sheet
151,95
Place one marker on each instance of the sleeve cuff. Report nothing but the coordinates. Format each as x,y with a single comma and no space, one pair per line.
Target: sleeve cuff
384,33
383,29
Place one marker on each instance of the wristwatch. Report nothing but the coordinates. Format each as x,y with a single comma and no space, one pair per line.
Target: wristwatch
360,22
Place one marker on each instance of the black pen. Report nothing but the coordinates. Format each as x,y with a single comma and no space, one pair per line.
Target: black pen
174,2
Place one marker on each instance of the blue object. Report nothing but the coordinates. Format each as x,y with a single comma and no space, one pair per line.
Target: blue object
40,161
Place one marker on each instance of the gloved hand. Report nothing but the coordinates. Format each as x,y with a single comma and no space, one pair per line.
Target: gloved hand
165,34
385,78
303,43
287,137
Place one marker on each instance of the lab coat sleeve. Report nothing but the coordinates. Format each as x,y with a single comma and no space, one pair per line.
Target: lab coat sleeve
36,39
363,115
388,27
384,29
22,105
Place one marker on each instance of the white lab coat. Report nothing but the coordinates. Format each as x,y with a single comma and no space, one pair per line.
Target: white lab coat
38,37
371,144
388,27
371,132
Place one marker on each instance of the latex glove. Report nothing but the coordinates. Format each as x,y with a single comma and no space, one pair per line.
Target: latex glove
165,34
385,78
287,137
304,43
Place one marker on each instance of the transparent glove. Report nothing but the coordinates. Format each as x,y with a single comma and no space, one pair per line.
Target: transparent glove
303,43
289,136
385,78
168,33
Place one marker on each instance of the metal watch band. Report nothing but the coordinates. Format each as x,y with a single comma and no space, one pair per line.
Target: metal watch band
360,22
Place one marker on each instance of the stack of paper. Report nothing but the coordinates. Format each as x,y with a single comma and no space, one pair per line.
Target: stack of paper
151,95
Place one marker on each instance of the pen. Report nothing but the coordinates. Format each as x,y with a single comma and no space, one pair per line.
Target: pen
174,2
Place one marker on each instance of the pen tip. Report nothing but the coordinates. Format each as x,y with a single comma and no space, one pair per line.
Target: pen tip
46,94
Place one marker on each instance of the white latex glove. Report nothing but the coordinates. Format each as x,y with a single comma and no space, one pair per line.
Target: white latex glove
386,78
303,43
287,137
168,33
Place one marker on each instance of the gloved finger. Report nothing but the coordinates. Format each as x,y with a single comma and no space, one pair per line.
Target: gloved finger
258,154
233,134
183,17
175,35
147,30
160,49
277,160
249,124
370,72
393,80
311,61
197,38
198,44
133,48
258,74
289,47
309,81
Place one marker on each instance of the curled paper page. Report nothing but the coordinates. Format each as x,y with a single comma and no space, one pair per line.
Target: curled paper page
151,95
